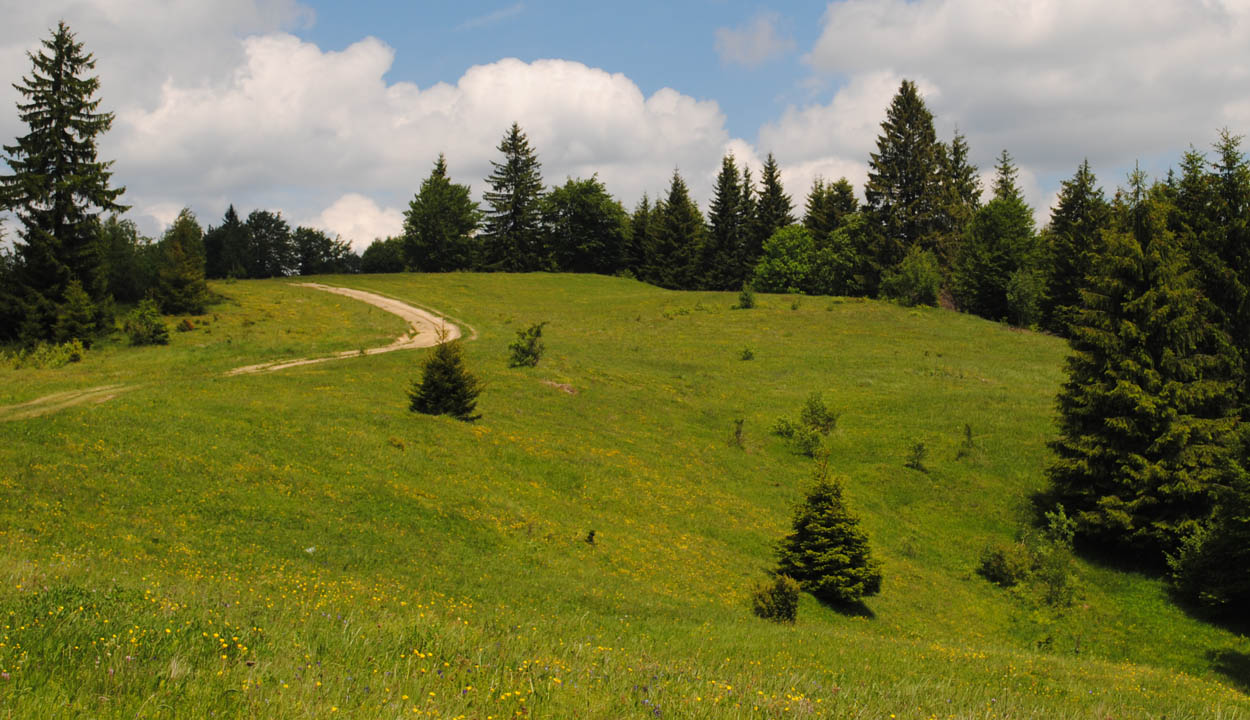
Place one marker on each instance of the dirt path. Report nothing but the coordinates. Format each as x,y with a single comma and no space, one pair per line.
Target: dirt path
424,328
423,331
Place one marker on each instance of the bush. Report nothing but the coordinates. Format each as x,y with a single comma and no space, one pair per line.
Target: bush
1026,289
1006,565
746,354
786,260
746,298
528,346
736,438
777,601
48,356
828,553
916,456
817,415
143,326
446,387
815,421
916,280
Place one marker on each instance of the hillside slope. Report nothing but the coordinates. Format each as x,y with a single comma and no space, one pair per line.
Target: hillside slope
298,544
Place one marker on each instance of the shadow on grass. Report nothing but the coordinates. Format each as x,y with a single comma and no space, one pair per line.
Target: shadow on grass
1233,665
855,609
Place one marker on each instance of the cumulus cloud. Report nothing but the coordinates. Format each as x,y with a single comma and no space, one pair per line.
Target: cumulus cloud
1054,81
754,43
359,220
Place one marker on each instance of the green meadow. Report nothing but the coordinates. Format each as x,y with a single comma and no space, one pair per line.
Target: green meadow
298,544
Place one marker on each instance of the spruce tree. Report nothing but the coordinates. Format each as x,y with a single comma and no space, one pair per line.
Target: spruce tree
827,206
727,229
58,187
827,553
513,234
585,227
1079,215
1147,415
773,210
440,223
446,387
76,318
635,254
960,198
677,245
226,248
180,286
903,192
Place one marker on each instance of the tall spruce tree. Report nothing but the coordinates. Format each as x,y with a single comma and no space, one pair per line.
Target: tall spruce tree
513,234
828,553
1079,216
773,210
960,198
58,187
998,245
180,286
1147,415
226,248
827,206
727,229
904,189
677,245
440,223
638,243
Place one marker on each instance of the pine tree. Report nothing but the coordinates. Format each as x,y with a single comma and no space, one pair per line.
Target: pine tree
635,255
1079,215
440,223
773,210
59,187
827,207
585,227
180,286
677,245
998,244
960,198
903,192
226,248
513,234
828,553
446,387
1147,415
76,318
748,253
727,229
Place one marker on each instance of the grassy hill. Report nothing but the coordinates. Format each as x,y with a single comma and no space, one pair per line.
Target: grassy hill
298,544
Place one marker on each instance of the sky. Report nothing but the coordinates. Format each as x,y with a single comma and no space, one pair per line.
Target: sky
333,112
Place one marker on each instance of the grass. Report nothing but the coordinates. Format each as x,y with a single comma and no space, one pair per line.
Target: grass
297,544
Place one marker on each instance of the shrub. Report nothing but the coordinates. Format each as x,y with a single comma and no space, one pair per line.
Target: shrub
828,553
185,326
143,326
815,421
1026,290
966,446
76,317
736,438
1006,565
916,281
777,601
817,415
528,346
48,356
747,354
916,456
446,387
746,298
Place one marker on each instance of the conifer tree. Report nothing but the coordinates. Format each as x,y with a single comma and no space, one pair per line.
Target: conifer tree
960,198
677,245
727,229
513,234
58,187
827,206
76,317
634,256
446,386
827,553
226,248
440,223
1079,215
1147,415
903,192
773,210
180,286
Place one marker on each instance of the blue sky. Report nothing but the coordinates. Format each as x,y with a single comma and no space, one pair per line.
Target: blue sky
332,113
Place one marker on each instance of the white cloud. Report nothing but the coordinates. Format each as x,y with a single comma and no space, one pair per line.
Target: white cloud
754,43
1053,81
492,18
359,220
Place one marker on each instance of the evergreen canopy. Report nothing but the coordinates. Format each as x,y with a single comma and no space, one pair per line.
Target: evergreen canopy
828,553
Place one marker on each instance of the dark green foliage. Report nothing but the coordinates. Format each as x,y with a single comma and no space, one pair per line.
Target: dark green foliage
58,187
586,228
1006,564
439,224
904,189
746,297
180,286
639,239
317,253
1212,566
815,421
130,260
777,601
736,438
960,199
76,317
1147,414
827,207
729,226
915,457
785,264
226,248
528,347
676,245
917,280
1026,292
816,415
827,553
746,354
383,256
513,237
446,387
143,325
1080,214
770,211
842,261
999,241
270,250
